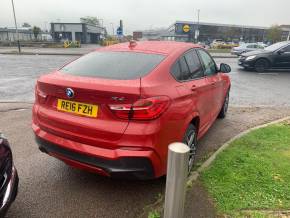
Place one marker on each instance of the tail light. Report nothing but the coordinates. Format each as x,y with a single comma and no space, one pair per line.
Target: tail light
143,109
40,96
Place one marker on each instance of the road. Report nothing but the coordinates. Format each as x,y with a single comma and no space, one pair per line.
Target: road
49,188
18,75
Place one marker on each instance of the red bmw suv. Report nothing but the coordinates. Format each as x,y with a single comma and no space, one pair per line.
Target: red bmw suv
114,111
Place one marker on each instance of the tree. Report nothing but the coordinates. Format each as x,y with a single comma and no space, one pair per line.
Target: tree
274,34
90,20
36,30
26,25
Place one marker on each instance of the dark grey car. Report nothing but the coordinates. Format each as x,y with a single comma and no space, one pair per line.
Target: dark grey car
276,56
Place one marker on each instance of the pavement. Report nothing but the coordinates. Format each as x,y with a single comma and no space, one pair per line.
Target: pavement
50,188
71,51
49,51
47,184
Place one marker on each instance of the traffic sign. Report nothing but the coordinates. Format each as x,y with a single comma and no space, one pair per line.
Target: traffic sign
119,31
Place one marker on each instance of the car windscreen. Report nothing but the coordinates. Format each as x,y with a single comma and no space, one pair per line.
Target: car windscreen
276,46
113,65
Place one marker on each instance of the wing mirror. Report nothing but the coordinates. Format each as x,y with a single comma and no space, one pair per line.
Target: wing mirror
225,68
281,51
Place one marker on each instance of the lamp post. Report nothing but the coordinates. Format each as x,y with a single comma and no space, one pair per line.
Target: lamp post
197,32
113,28
17,34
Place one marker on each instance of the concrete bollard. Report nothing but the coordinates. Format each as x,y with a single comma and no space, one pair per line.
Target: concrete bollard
177,172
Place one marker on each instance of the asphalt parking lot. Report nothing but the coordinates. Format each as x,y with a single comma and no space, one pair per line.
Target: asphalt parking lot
18,75
49,188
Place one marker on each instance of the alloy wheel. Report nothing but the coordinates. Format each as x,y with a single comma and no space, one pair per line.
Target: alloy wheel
191,142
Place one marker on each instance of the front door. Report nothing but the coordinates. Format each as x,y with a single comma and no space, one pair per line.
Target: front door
282,60
213,78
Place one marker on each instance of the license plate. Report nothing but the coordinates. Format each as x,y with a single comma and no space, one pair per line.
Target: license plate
88,110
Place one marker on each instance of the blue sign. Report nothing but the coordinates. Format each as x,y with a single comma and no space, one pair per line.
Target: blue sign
119,31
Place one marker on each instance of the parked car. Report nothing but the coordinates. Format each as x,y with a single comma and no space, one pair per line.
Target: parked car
246,47
8,177
116,110
276,56
217,42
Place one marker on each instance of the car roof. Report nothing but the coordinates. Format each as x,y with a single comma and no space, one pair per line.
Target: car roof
158,47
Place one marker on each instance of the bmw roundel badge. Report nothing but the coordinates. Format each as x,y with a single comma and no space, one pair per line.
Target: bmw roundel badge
69,93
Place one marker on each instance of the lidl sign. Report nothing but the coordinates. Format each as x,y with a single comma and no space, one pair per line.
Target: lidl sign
184,28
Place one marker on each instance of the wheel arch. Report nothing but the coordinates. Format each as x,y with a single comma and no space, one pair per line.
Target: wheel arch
266,59
195,121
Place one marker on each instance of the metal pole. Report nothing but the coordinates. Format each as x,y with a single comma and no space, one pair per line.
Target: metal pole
113,28
18,43
177,172
198,12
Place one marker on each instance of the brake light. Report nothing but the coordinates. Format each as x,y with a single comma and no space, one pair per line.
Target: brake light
40,96
143,109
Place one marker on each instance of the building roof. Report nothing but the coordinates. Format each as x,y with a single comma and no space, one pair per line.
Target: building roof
158,47
221,25
60,23
13,30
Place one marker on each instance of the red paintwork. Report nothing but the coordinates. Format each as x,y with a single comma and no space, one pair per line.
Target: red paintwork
110,137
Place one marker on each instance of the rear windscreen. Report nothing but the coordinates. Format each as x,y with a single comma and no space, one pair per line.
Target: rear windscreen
113,65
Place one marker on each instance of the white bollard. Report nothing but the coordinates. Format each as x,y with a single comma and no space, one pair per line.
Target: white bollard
177,172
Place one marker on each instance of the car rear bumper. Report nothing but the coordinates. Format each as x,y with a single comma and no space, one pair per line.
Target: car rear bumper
10,192
115,163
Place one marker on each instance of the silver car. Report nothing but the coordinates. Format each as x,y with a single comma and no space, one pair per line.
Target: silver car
246,47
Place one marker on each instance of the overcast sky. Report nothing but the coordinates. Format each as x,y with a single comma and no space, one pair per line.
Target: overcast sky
147,14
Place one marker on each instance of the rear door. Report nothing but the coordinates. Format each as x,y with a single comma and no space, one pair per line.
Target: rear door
214,80
194,85
282,60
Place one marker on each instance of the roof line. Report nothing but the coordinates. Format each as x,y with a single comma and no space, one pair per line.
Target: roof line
221,24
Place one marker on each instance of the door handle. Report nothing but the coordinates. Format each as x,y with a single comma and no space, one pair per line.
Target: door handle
193,88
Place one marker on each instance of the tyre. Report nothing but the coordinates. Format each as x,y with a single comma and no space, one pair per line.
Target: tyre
261,65
225,107
190,139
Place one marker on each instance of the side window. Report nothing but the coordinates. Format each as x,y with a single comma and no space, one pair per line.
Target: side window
195,67
176,72
287,49
184,68
208,63
260,46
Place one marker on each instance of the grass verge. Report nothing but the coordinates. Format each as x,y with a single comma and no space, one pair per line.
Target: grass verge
253,174
219,50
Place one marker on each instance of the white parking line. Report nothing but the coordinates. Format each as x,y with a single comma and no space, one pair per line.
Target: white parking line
272,74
